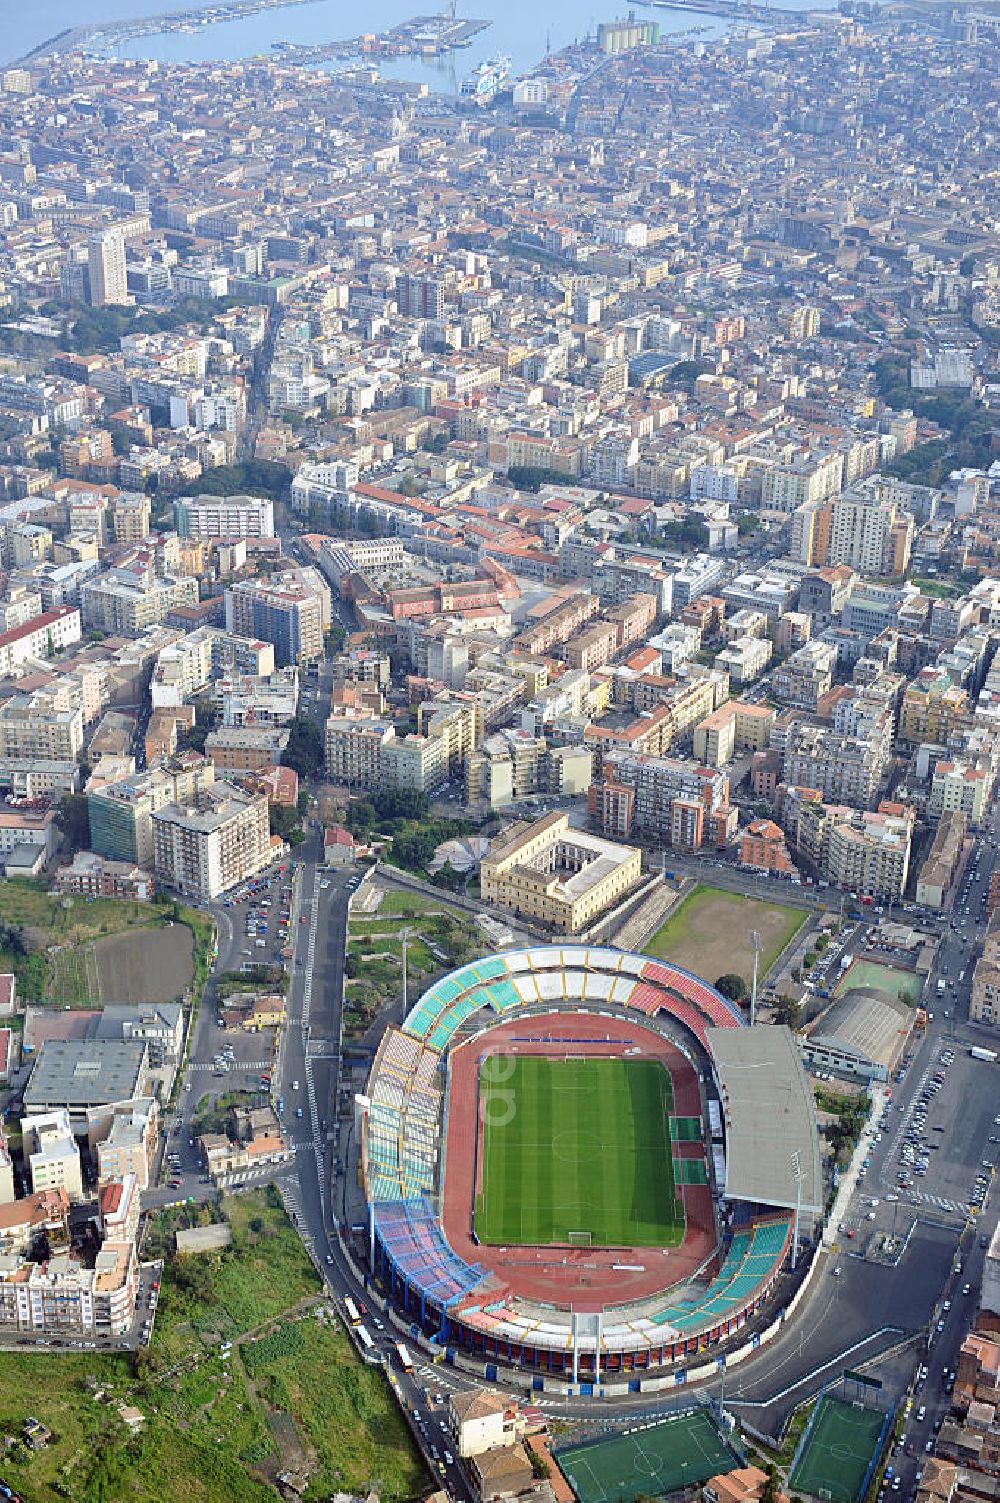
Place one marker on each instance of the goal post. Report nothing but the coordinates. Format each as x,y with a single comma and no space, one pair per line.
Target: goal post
579,1239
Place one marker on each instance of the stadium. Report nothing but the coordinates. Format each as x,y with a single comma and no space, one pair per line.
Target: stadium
582,1162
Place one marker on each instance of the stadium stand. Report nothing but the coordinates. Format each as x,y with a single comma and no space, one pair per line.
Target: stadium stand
401,1134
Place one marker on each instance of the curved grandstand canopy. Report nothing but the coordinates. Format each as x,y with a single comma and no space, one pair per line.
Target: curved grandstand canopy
772,1148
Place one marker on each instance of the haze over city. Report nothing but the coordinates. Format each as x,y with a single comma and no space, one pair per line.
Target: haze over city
499,739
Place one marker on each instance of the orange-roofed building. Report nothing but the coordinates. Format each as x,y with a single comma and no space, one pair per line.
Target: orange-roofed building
763,846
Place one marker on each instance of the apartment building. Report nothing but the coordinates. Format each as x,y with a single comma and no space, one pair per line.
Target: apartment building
933,709
213,843
353,749
763,847
39,637
290,616
121,813
51,1153
745,659
806,675
862,850
669,799
124,1137
224,517
510,765
958,787
559,877
839,766
242,749
734,727
806,478
984,1004
33,729
121,605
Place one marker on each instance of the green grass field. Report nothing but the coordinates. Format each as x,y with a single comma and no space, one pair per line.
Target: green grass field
663,1457
838,1451
577,1145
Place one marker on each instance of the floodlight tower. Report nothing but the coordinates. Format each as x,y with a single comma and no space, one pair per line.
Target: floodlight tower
755,941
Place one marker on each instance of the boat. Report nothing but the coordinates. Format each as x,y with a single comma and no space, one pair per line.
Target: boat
485,82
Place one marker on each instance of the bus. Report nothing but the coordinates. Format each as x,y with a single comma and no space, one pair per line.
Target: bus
405,1360
365,1339
353,1314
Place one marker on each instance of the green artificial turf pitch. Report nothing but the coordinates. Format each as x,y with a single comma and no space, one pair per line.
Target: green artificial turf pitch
577,1145
660,1457
836,1455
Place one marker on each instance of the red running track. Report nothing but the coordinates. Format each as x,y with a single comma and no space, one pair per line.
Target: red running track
581,1278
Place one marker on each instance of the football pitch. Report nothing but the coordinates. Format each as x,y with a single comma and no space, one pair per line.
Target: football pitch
577,1151
836,1452
663,1456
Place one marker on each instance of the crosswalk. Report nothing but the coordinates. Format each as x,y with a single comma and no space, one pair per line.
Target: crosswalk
939,1202
253,1066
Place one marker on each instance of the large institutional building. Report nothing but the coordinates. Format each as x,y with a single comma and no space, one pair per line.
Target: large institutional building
556,875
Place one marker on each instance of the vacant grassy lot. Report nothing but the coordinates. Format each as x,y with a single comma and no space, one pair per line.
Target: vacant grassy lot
440,937
710,932
577,1145
78,951
211,1422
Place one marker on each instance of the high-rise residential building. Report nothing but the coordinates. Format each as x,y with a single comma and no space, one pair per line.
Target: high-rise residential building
670,798
869,534
290,616
224,517
204,847
121,814
106,264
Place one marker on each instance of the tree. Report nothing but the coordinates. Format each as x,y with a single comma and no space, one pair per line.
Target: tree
284,821
732,986
788,1011
770,1492
809,959
304,751
74,822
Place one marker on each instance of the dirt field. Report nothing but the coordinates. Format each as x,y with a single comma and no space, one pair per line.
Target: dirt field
710,933
148,965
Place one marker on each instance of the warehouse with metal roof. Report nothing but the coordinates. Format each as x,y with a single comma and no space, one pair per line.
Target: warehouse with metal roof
861,1034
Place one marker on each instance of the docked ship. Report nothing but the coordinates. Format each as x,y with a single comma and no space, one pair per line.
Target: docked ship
484,82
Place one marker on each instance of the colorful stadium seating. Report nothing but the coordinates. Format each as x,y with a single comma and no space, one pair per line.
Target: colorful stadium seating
402,1130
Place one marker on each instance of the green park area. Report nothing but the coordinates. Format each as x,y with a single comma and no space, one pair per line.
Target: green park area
204,1423
709,933
79,952
438,937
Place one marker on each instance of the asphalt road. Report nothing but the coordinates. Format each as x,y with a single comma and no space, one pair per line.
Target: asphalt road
847,1318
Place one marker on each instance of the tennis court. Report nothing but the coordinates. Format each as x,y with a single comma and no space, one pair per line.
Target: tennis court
681,1451
576,1151
836,1451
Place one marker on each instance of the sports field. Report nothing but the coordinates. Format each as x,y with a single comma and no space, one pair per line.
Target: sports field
576,1151
663,1456
709,933
836,1451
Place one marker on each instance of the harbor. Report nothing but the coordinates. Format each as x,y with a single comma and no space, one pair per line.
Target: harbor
421,36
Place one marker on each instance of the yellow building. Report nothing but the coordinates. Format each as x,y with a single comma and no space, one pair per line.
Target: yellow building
933,708
558,877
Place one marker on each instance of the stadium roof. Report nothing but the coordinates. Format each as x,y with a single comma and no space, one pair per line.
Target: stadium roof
867,1023
771,1133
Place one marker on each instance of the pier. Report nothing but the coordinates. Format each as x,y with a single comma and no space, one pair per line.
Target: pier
422,36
